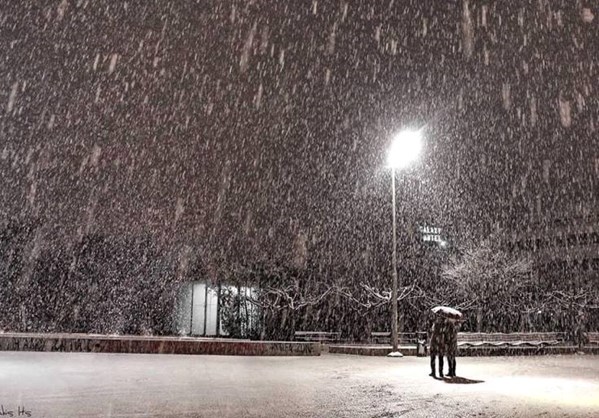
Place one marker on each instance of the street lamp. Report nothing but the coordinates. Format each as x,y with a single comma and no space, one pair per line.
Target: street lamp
404,150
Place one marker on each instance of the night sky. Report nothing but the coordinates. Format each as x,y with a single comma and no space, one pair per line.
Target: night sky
244,127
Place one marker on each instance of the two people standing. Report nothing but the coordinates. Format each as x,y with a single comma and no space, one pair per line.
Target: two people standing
443,342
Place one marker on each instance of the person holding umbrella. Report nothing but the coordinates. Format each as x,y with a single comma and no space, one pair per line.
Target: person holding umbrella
437,344
447,342
451,340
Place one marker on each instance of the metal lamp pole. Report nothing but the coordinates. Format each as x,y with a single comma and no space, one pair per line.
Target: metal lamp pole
404,150
394,339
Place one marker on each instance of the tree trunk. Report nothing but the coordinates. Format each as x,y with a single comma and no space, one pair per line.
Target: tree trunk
479,319
524,320
283,325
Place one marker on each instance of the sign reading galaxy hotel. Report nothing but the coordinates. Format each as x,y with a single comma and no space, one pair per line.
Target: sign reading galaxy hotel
430,233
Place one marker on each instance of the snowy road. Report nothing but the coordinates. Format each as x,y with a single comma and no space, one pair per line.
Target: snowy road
127,385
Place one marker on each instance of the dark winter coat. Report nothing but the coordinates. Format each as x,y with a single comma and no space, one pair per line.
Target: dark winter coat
437,346
451,338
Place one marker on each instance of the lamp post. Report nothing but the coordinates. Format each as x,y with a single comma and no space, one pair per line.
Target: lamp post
404,150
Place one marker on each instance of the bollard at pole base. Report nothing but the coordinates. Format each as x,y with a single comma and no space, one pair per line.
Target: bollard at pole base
420,348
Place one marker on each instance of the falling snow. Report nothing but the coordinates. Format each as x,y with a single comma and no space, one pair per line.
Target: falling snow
243,144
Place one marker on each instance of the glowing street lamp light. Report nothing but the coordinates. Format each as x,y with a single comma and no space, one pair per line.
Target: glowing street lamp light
405,149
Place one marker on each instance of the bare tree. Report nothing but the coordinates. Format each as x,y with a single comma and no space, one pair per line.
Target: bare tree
486,278
281,294
369,297
573,306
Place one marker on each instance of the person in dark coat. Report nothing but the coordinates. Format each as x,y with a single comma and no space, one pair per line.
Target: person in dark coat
437,347
451,342
580,336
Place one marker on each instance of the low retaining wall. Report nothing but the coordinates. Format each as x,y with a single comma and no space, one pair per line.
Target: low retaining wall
153,345
383,350
516,351
370,350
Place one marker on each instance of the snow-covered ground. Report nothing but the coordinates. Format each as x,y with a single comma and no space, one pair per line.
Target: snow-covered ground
123,385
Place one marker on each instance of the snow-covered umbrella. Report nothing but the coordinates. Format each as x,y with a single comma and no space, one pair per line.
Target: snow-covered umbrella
447,312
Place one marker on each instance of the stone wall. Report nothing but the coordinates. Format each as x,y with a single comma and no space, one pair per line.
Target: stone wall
153,345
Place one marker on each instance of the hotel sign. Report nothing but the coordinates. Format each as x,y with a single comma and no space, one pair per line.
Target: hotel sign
430,233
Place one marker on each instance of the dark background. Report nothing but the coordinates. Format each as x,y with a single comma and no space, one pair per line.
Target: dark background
238,126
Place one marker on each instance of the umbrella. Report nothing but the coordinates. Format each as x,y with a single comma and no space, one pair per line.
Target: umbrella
447,312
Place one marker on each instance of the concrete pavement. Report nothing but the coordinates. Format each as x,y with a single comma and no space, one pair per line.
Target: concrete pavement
126,385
